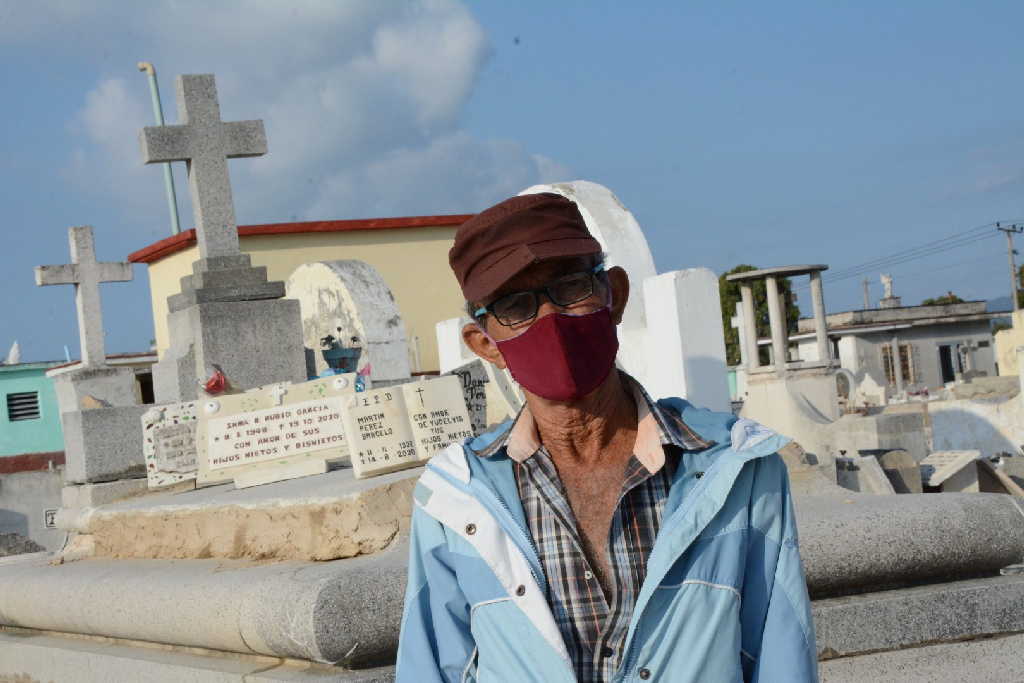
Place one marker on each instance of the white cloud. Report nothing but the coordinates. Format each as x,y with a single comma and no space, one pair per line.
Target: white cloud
361,99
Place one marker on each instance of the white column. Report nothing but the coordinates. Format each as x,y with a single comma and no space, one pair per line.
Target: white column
749,325
777,323
741,333
897,367
820,325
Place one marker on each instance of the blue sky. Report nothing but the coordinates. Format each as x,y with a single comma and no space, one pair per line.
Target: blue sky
766,133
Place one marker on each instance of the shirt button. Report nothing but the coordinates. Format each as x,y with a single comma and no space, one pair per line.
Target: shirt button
698,474
521,591
471,529
588,575
607,651
644,674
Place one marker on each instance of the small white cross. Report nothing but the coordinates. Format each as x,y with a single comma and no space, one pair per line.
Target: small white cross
277,393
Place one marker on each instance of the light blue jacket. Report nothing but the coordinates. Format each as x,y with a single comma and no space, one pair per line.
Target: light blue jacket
724,599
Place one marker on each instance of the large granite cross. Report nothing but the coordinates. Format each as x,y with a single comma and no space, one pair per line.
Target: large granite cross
86,274
206,143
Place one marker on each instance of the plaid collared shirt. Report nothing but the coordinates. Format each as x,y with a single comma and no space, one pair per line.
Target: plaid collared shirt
593,625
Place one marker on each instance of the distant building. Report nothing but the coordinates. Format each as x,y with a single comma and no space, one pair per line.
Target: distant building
934,344
29,419
411,254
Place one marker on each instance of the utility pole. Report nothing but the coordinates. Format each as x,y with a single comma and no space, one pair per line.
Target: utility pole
867,298
1010,231
158,113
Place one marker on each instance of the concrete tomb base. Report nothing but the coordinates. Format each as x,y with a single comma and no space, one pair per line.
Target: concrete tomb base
31,656
319,518
109,385
103,444
254,342
92,495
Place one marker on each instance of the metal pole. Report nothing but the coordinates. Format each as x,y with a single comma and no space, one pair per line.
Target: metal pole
158,111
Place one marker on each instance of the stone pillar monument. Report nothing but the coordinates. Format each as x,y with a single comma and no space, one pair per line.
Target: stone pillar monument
227,313
102,440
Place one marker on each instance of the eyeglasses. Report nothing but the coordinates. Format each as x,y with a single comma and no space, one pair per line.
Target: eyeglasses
519,307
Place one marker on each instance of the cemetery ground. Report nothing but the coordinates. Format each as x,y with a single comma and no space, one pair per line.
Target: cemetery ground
252,523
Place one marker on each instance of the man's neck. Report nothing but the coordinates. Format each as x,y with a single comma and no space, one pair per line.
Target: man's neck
587,431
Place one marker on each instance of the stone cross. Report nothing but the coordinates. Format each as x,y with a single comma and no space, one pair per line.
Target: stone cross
86,274
278,394
205,143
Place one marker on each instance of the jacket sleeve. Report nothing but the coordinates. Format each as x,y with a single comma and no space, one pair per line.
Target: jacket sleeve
778,630
435,643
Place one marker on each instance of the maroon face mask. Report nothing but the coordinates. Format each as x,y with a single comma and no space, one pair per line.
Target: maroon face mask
563,357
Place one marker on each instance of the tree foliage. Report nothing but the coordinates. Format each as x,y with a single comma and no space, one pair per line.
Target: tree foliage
947,298
730,294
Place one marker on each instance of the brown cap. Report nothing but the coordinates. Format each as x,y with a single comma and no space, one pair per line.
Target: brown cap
496,244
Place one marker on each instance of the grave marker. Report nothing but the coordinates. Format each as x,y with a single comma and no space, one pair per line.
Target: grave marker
438,414
86,274
951,471
205,143
393,428
275,432
379,435
473,377
169,444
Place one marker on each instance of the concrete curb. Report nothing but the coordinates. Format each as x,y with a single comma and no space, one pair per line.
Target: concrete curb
334,612
892,620
859,543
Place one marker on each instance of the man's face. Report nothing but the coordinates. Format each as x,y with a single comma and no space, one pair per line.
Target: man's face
611,287
546,274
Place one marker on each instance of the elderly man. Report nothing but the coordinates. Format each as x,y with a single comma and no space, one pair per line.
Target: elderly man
601,535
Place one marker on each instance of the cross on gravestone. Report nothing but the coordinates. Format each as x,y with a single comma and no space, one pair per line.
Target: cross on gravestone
205,143
86,274
278,393
420,392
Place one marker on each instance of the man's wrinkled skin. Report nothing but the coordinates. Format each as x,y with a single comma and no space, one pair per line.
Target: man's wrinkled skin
590,440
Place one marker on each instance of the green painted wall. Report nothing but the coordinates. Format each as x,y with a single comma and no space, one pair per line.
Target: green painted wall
29,436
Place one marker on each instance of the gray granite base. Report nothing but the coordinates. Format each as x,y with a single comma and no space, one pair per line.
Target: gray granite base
254,342
103,444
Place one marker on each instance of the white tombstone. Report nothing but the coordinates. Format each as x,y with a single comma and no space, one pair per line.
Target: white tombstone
349,299
169,444
452,352
671,337
271,433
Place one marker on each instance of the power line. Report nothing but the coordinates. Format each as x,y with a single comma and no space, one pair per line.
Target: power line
912,251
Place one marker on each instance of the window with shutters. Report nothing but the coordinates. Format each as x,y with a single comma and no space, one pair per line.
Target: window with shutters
907,364
23,406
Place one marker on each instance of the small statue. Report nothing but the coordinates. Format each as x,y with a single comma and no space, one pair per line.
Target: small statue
887,284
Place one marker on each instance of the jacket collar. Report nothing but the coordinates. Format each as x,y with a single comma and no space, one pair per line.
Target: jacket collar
657,426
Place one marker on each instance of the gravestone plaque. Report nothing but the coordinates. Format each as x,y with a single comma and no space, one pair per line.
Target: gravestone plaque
279,431
169,444
378,432
473,377
952,471
438,414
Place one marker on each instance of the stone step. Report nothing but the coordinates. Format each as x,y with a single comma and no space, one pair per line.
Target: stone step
909,617
855,543
32,656
321,518
988,660
347,611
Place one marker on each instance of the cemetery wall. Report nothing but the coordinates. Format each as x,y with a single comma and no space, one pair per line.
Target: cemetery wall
1006,343
24,497
413,261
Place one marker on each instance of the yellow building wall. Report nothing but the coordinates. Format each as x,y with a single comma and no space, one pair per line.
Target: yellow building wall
413,261
1007,342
